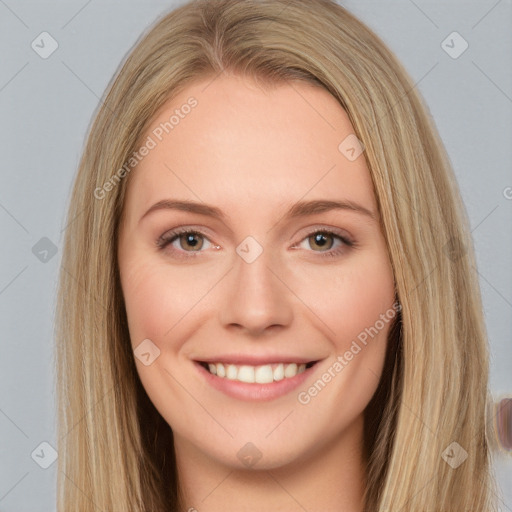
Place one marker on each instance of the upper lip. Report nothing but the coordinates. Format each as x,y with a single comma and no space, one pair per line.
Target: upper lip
253,360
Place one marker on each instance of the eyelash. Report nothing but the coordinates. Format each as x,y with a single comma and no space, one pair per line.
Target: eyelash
169,237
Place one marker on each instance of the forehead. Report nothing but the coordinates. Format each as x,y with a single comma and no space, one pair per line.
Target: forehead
232,142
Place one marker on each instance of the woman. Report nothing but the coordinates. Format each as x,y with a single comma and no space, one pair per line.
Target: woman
268,298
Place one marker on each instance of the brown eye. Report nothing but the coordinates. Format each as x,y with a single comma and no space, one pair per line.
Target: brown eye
327,243
183,242
322,240
191,240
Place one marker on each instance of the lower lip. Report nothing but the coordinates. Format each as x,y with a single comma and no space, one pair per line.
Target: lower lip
254,391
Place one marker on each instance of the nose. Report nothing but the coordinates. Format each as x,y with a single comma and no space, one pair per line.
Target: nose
257,298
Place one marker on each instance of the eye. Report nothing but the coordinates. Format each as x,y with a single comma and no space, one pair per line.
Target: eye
324,239
183,239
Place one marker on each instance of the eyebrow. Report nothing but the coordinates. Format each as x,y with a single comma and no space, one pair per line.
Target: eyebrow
298,210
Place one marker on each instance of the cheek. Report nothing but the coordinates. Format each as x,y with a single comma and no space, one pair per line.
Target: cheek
356,318
162,302
356,309
147,295
350,299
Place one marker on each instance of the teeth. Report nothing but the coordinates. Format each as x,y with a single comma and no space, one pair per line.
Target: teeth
221,372
246,374
290,370
257,374
231,372
279,372
263,374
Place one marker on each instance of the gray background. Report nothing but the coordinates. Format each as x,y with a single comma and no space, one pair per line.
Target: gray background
46,106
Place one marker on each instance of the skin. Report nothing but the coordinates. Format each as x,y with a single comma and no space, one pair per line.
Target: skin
254,151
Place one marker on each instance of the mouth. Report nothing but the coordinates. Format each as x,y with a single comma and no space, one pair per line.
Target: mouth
261,382
261,374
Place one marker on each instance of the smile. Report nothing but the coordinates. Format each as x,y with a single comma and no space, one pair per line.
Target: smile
263,374
261,382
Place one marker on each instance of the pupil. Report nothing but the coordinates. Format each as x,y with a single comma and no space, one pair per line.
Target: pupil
190,240
321,239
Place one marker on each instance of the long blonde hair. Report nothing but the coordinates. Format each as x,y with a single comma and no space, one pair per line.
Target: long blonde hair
115,450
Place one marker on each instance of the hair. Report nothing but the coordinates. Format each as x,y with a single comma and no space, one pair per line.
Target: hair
115,450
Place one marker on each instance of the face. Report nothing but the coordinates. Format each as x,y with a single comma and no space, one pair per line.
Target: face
263,256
